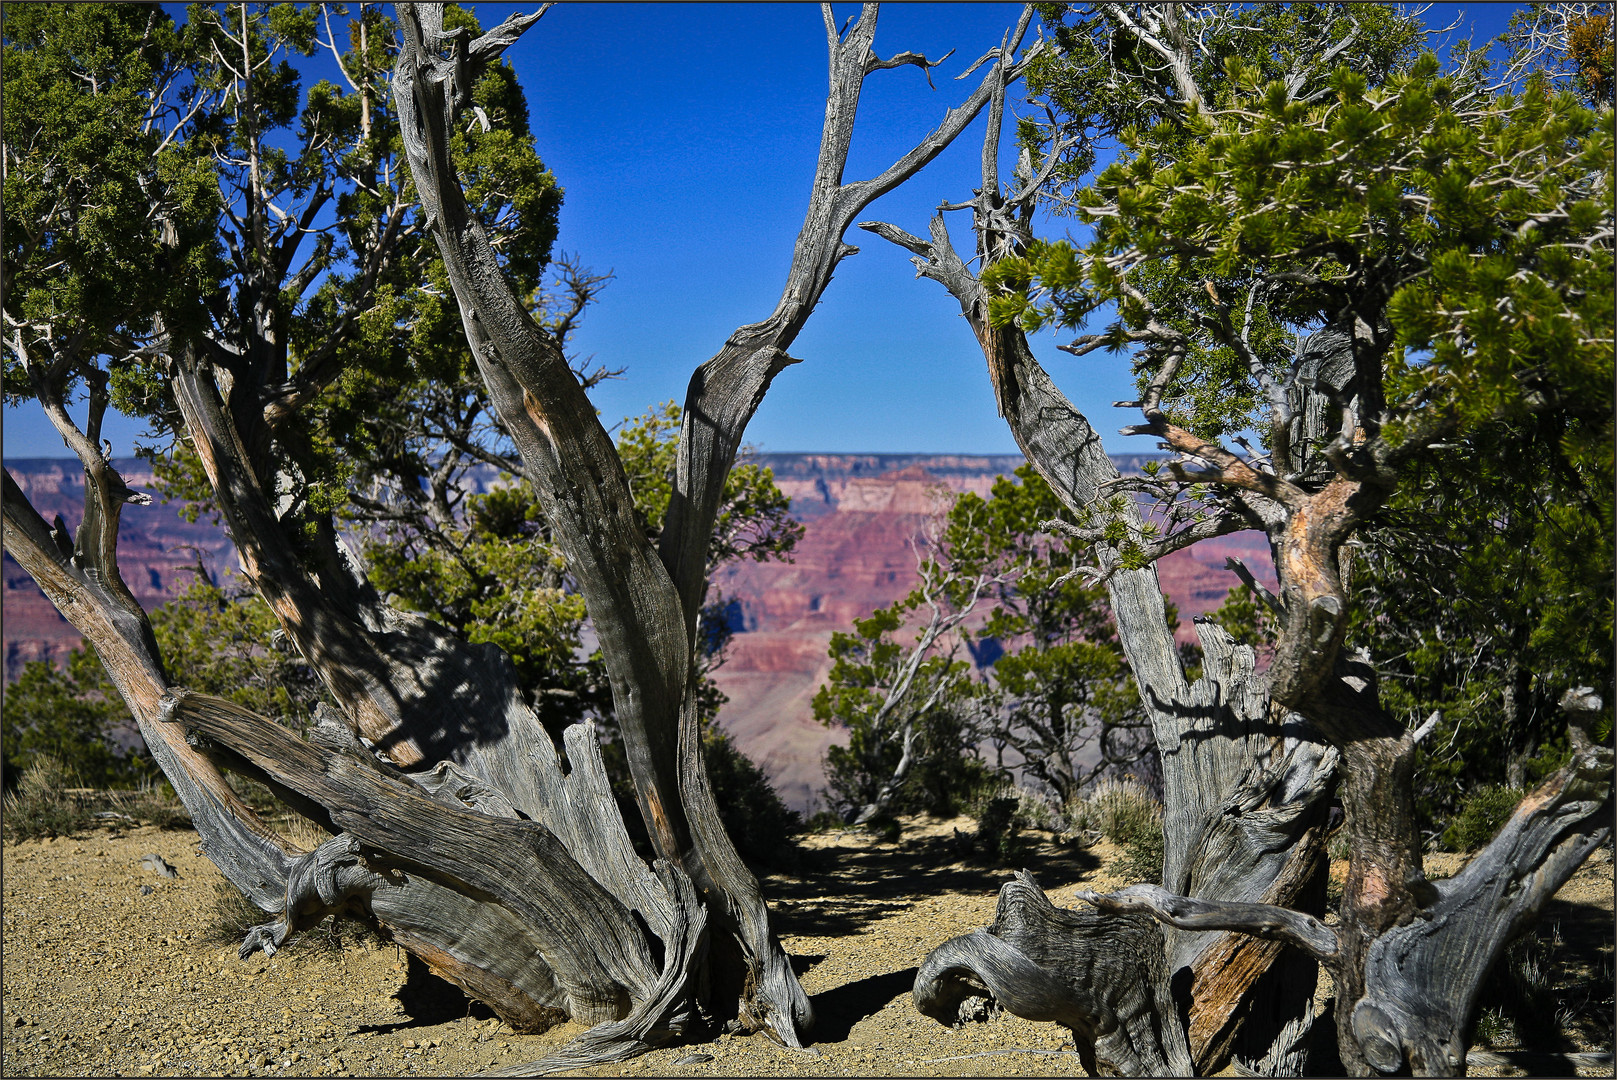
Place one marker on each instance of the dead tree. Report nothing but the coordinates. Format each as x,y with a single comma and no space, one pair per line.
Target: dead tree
1165,977
458,826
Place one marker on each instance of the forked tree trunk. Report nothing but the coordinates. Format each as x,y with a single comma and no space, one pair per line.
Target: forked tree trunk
1249,763
458,828
1246,791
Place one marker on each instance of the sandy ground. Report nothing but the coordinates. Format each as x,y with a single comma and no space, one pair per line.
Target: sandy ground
104,978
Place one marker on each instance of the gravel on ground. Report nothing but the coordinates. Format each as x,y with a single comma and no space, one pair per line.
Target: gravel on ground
109,970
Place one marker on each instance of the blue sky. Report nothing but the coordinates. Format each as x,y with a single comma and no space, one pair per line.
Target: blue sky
685,136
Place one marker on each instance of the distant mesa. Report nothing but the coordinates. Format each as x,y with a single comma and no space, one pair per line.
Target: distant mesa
860,513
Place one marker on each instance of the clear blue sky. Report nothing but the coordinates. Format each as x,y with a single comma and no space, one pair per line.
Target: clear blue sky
685,136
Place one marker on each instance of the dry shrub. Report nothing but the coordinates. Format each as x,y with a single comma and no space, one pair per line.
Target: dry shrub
1125,813
49,801
43,804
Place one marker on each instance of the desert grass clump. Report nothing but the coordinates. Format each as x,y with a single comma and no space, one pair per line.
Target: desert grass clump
45,802
230,915
1123,812
49,802
1521,1006
1036,810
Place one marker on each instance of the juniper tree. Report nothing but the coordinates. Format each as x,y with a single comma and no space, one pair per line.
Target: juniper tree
1363,261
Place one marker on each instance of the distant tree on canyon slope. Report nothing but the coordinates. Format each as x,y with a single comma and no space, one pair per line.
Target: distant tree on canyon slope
1057,694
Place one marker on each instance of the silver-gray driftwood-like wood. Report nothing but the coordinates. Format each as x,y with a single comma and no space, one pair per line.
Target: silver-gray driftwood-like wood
1246,786
644,602
1250,761
459,827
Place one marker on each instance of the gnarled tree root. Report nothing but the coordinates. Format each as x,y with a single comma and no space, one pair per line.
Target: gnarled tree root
495,904
1103,978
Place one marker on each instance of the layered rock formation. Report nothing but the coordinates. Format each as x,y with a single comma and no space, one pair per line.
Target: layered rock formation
862,515
158,552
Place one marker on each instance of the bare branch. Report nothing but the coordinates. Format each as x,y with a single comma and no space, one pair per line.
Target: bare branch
872,63
1259,920
1270,600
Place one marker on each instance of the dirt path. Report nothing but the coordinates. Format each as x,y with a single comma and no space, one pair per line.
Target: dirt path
103,978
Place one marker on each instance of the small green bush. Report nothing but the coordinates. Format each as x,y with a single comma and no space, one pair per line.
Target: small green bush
1481,814
1036,811
67,714
885,828
999,830
1123,812
825,821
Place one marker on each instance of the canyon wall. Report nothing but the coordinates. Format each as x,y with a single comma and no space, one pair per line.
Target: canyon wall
861,514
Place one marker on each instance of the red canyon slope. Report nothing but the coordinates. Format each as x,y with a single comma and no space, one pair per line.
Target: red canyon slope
861,513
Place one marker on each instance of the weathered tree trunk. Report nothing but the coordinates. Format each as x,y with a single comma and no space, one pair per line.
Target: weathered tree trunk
551,921
1246,786
1250,761
457,827
645,602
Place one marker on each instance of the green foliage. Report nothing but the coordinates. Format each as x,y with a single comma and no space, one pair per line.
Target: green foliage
1102,81
1061,686
494,576
66,716
1482,812
867,666
754,520
226,642
41,805
999,830
85,256
485,566
1486,591
167,178
1562,40
1468,236
1058,695
1497,292
1247,619
216,641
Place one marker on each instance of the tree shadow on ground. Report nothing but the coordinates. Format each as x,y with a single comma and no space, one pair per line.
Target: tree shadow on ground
428,1000
837,1010
842,890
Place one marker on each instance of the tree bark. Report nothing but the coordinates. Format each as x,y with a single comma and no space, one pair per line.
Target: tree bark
1407,956
541,921
1246,786
645,602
